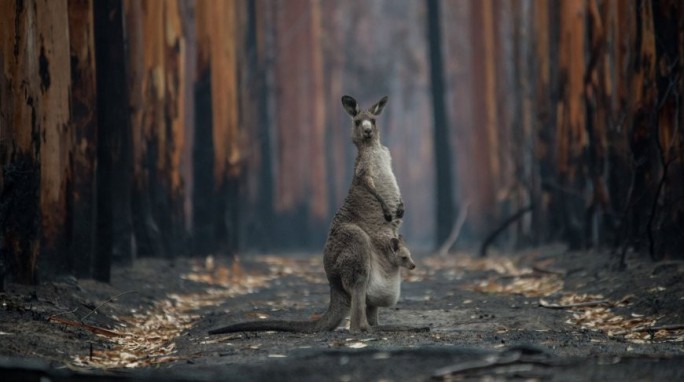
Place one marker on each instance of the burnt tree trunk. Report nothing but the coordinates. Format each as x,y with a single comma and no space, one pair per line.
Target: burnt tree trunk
84,123
255,81
114,153
162,119
485,150
55,132
148,235
218,153
666,222
20,142
301,195
36,140
445,204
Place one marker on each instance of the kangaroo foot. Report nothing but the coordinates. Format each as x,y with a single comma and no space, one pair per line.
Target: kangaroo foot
360,328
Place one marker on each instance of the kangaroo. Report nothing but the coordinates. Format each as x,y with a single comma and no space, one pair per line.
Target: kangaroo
362,253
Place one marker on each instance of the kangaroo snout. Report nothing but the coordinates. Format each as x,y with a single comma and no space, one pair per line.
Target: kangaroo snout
367,128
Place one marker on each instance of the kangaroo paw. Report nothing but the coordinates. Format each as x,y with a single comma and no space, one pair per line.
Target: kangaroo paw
400,212
386,212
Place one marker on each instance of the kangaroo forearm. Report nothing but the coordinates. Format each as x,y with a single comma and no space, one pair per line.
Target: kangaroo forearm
369,184
383,204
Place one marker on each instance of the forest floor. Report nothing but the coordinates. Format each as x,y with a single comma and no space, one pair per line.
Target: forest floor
544,314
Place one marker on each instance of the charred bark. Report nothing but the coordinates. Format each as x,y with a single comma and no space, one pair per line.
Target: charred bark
84,122
114,153
445,205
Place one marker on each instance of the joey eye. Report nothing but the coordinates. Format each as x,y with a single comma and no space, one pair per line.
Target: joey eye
372,120
357,122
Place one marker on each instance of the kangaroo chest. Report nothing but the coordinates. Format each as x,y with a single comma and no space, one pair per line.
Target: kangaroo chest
380,163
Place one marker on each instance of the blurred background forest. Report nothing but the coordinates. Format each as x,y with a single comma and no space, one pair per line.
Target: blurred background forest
174,127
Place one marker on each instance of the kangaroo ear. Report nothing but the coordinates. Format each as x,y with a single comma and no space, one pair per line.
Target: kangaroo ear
377,108
350,105
395,244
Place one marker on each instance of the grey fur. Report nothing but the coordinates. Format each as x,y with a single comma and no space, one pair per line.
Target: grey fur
363,253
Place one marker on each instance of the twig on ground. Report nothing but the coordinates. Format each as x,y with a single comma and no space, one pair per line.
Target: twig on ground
401,328
107,301
490,360
61,313
80,324
455,231
545,304
549,271
550,305
90,328
659,327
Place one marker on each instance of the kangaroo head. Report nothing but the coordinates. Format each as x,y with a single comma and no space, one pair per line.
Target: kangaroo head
401,252
364,128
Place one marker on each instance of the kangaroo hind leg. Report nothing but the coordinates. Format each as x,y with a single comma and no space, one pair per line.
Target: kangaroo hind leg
372,315
359,320
352,267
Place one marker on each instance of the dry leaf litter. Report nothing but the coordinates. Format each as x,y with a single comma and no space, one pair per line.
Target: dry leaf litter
147,338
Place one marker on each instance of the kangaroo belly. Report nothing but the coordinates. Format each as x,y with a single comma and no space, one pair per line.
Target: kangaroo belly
383,290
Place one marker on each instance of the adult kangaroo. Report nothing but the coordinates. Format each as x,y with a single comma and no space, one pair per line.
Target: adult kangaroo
363,252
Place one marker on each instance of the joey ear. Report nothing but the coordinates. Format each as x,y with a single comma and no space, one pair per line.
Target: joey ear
350,105
395,244
377,108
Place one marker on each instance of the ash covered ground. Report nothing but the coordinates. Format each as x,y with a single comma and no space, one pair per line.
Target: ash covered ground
543,314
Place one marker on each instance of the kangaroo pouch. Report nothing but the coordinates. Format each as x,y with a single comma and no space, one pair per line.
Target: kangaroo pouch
383,289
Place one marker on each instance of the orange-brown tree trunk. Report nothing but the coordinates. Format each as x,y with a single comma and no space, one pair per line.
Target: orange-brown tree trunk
20,140
219,153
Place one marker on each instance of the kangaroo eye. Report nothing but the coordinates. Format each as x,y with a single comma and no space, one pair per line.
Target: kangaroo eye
357,122
373,121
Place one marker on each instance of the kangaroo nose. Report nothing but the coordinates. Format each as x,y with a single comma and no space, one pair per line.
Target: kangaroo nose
367,126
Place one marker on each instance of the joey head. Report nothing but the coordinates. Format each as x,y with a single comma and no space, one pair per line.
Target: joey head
400,254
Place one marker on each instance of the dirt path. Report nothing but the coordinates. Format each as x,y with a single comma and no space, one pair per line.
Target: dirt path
543,314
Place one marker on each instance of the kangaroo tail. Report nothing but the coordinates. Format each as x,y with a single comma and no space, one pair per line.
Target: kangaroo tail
337,310
275,325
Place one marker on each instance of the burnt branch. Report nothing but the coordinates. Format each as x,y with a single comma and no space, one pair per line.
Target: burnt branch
492,236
